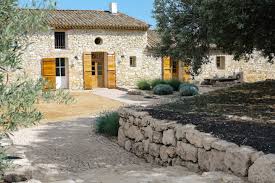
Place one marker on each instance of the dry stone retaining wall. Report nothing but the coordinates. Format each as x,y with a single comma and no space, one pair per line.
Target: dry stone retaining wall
168,143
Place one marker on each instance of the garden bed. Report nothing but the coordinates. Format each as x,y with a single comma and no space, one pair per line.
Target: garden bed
210,112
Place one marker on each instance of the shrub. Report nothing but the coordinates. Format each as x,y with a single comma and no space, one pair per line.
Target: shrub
188,89
175,83
156,82
143,85
108,123
163,89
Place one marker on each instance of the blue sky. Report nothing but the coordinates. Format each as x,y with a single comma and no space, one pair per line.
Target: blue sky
141,9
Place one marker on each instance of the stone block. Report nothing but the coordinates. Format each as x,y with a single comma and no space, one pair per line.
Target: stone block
207,141
204,159
195,137
263,170
137,121
145,121
191,166
169,137
238,160
131,119
149,158
211,160
167,152
217,161
138,149
157,137
128,145
121,137
181,131
187,152
148,132
122,121
160,126
154,149
176,161
256,155
223,145
126,128
146,145
134,133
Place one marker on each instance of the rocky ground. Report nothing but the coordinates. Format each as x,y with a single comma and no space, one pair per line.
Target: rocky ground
71,152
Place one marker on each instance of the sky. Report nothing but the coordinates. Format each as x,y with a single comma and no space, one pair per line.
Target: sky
140,9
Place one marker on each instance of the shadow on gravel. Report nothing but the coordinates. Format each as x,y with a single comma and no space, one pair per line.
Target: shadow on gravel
73,146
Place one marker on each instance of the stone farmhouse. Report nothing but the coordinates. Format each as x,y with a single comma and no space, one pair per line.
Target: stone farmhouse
86,49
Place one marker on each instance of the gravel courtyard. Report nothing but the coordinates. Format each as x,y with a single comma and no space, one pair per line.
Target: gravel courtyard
71,152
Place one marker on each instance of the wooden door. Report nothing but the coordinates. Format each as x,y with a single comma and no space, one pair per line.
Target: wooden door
175,69
100,73
87,69
98,69
94,74
49,72
167,69
111,75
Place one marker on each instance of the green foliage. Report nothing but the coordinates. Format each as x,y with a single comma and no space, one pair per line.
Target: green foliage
143,85
156,82
175,83
18,96
17,102
163,89
189,28
188,89
108,123
4,162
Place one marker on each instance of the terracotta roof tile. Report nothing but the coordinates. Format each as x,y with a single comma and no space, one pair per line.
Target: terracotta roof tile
92,19
153,38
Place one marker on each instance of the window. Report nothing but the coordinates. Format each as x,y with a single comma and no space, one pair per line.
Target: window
220,62
60,67
59,40
133,61
98,41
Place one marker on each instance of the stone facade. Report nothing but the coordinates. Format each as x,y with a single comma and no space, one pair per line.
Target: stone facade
256,69
168,143
123,43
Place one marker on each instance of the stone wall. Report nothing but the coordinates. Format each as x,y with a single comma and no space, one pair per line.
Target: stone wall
256,69
123,43
168,143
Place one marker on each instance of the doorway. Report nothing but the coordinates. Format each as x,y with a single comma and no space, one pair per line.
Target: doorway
61,73
93,64
97,70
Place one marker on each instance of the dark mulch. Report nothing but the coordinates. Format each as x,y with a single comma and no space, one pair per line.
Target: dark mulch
257,135
207,111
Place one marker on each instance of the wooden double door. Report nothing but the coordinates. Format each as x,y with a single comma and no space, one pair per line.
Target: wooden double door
94,70
173,69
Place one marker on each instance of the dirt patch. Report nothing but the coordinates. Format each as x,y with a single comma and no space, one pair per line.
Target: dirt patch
86,104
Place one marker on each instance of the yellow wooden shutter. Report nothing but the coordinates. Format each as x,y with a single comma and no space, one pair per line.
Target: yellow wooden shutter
111,75
49,72
167,70
87,71
186,76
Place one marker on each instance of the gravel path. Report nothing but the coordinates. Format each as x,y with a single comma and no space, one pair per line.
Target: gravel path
71,152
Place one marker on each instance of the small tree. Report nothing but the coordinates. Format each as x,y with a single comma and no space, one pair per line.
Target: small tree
17,97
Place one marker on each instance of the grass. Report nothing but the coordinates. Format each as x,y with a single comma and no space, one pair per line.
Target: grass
108,123
256,100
